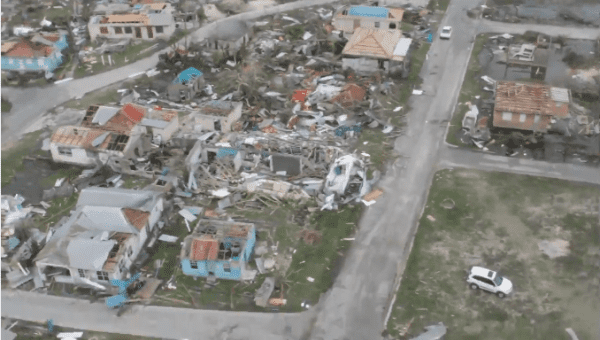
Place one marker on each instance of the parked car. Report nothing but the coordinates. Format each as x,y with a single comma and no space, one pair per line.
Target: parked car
482,278
446,32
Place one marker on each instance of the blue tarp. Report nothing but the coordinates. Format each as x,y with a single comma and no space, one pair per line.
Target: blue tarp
115,301
367,11
13,242
186,75
224,152
340,131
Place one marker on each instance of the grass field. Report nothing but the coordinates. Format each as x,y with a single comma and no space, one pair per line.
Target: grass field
498,222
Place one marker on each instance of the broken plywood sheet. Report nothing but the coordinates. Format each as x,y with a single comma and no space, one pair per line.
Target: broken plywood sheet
262,295
373,195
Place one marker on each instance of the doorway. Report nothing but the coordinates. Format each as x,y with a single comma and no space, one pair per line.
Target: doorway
150,34
138,32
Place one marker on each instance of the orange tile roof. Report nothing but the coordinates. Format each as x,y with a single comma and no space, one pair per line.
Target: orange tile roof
127,18
375,43
158,5
204,248
136,218
78,136
27,49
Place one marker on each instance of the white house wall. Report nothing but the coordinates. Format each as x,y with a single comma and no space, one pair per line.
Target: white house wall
94,30
79,156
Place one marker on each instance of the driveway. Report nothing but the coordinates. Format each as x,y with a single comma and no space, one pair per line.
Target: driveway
464,158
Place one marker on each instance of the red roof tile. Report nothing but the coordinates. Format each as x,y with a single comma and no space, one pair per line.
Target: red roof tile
204,249
137,218
134,112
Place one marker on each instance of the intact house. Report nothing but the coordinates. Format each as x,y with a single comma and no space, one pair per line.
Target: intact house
372,50
216,115
145,22
39,52
105,133
102,238
186,85
348,18
218,248
229,37
531,107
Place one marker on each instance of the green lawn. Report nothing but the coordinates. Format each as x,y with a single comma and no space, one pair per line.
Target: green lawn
441,5
417,59
6,106
378,146
470,89
12,159
131,54
497,221
97,97
26,330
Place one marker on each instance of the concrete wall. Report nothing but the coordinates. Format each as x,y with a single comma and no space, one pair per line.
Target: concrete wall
79,155
346,23
94,30
528,125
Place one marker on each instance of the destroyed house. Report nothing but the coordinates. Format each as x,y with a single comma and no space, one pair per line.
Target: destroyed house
40,52
370,50
102,237
216,115
528,56
531,107
348,19
186,85
218,248
145,22
105,132
161,124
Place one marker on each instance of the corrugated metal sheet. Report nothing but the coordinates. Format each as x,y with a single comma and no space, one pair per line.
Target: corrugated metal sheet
104,114
559,94
155,123
402,47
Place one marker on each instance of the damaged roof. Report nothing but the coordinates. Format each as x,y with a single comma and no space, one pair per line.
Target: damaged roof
125,19
118,197
531,99
187,75
89,254
79,136
219,107
374,43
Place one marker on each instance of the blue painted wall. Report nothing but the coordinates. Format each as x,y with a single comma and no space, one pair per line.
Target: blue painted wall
49,63
217,266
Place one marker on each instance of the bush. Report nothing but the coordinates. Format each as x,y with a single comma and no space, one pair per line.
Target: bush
294,32
574,60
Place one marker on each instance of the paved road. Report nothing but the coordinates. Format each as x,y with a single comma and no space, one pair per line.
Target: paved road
31,103
569,32
357,304
464,158
152,321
